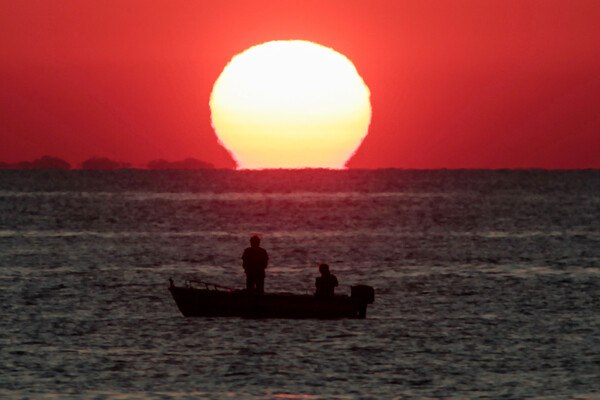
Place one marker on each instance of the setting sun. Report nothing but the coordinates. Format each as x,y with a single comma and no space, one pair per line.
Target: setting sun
290,104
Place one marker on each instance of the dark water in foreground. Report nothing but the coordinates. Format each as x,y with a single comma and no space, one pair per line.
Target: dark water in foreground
487,284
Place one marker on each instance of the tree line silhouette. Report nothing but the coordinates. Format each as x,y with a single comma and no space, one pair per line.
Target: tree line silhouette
105,163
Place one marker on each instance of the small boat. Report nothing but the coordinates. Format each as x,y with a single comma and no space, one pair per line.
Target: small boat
218,301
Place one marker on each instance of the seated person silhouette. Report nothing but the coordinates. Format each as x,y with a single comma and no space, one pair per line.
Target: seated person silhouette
325,283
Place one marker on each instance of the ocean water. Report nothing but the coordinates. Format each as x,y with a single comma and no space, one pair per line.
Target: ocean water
487,284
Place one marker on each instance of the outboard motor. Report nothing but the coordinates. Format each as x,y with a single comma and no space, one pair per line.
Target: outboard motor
363,293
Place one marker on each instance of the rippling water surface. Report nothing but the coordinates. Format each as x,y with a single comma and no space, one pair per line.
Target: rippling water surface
487,284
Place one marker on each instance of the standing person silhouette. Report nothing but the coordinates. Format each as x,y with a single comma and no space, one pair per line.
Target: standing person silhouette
255,260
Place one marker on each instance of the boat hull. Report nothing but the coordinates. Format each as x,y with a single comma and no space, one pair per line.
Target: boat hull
194,302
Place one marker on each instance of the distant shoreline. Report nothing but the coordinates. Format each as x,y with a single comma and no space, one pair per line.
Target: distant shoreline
532,169
106,164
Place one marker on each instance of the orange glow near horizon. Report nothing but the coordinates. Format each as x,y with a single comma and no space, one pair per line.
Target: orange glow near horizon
290,104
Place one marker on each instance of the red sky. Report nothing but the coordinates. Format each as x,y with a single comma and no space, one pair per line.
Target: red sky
454,84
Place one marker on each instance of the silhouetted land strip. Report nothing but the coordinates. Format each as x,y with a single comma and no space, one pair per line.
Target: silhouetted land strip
45,162
107,164
104,163
188,163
